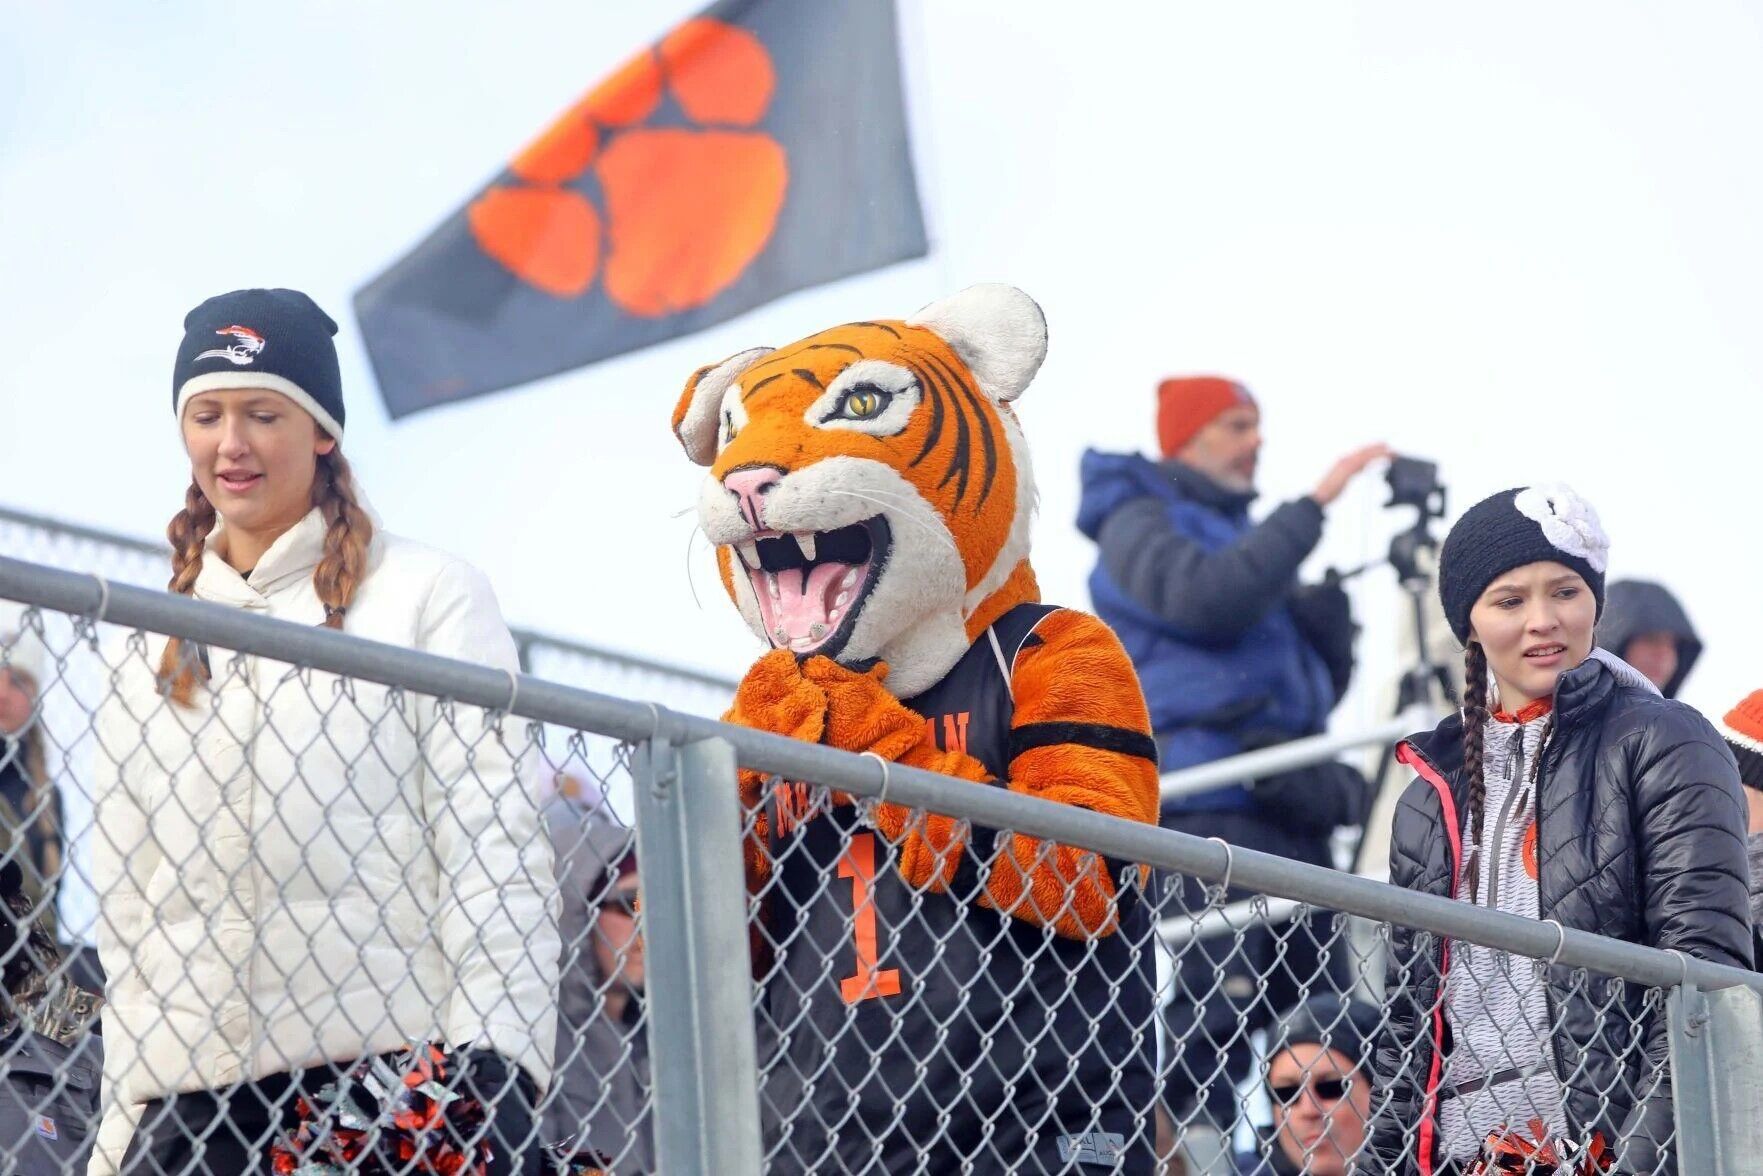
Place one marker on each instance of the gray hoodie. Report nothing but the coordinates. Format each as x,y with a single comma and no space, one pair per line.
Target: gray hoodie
1633,608
602,1093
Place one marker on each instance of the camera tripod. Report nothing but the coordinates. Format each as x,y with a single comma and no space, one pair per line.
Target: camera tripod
1425,683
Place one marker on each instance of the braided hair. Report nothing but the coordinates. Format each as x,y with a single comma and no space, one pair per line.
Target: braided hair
348,536
188,532
1475,720
348,533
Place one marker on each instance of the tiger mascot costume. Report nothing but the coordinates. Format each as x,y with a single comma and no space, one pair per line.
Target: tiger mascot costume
950,999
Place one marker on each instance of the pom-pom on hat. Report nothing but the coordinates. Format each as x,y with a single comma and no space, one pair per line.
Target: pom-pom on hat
1515,527
1187,404
274,339
1743,728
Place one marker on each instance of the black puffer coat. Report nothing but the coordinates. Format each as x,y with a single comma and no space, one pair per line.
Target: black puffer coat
1640,837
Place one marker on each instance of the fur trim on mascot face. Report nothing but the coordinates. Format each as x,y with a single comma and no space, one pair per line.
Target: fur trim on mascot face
869,492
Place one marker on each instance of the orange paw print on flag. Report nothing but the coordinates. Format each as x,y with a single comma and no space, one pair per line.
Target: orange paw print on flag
686,209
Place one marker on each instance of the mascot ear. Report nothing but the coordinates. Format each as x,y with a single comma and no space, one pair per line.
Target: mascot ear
695,416
998,331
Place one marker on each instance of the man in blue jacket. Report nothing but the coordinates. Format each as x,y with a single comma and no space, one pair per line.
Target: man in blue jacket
1234,655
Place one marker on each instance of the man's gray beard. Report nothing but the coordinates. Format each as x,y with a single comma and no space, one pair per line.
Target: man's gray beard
1236,483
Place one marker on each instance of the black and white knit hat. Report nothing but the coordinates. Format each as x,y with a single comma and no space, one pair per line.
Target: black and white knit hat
1513,528
274,339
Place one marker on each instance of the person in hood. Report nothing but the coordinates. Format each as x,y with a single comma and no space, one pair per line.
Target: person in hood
1319,1084
1234,655
1646,627
1568,789
600,1099
298,873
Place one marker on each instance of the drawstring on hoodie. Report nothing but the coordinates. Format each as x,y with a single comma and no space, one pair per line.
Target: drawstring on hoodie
1521,802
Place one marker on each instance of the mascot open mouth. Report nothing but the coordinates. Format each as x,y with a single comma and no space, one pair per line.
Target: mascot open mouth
812,585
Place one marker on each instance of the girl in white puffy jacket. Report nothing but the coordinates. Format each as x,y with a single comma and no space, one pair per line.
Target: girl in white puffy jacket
297,871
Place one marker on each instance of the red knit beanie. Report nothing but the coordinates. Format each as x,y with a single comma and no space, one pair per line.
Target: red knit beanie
1187,404
1743,728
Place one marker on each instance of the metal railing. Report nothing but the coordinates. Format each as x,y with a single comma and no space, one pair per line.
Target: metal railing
125,559
767,1056
1286,757
131,560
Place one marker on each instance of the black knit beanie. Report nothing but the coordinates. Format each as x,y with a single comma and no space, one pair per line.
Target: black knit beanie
274,339
1513,528
1349,1027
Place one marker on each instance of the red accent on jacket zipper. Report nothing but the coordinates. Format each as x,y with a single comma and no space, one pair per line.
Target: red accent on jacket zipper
1410,756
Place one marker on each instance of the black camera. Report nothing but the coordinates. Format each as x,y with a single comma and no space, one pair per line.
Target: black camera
1414,482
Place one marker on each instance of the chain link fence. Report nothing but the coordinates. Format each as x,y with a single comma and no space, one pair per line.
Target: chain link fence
123,559
344,849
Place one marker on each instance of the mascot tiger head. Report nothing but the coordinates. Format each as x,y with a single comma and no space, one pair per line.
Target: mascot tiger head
869,492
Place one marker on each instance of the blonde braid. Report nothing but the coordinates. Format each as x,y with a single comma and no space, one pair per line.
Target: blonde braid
348,533
188,533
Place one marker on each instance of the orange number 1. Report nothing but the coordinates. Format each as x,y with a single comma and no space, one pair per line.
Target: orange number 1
858,864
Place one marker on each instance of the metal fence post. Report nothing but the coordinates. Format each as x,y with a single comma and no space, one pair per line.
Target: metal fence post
1719,1051
700,982
1692,1072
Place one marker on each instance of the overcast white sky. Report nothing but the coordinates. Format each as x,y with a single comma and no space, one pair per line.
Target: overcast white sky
1517,238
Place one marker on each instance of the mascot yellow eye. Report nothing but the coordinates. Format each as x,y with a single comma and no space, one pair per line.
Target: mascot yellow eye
864,403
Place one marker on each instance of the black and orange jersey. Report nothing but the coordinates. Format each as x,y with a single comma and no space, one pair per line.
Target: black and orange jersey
923,1027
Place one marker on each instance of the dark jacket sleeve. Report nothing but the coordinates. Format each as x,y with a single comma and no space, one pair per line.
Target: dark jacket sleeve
1313,800
1404,1046
1210,596
508,1095
1690,817
1324,616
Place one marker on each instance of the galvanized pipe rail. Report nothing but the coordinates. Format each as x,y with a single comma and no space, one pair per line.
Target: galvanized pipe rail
532,698
1298,753
525,640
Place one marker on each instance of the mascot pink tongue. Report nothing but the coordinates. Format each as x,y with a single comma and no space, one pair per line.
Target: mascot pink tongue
802,607
870,499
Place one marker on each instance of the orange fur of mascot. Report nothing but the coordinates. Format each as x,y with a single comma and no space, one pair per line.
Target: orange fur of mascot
870,499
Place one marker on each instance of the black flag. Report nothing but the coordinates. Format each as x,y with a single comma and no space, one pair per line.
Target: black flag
758,148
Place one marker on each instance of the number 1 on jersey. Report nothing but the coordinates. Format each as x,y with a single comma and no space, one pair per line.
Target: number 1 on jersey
858,864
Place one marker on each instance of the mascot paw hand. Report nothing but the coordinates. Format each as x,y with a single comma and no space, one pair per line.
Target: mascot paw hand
775,696
861,715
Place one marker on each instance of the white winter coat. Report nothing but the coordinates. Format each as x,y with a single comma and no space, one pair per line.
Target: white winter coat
298,869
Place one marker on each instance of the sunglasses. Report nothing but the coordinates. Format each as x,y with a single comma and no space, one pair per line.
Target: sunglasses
622,901
1324,1089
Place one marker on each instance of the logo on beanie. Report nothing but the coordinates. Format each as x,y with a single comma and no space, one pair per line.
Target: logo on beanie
1568,522
245,350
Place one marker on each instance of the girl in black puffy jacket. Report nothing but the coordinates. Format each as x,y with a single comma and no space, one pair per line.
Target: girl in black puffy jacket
1567,789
